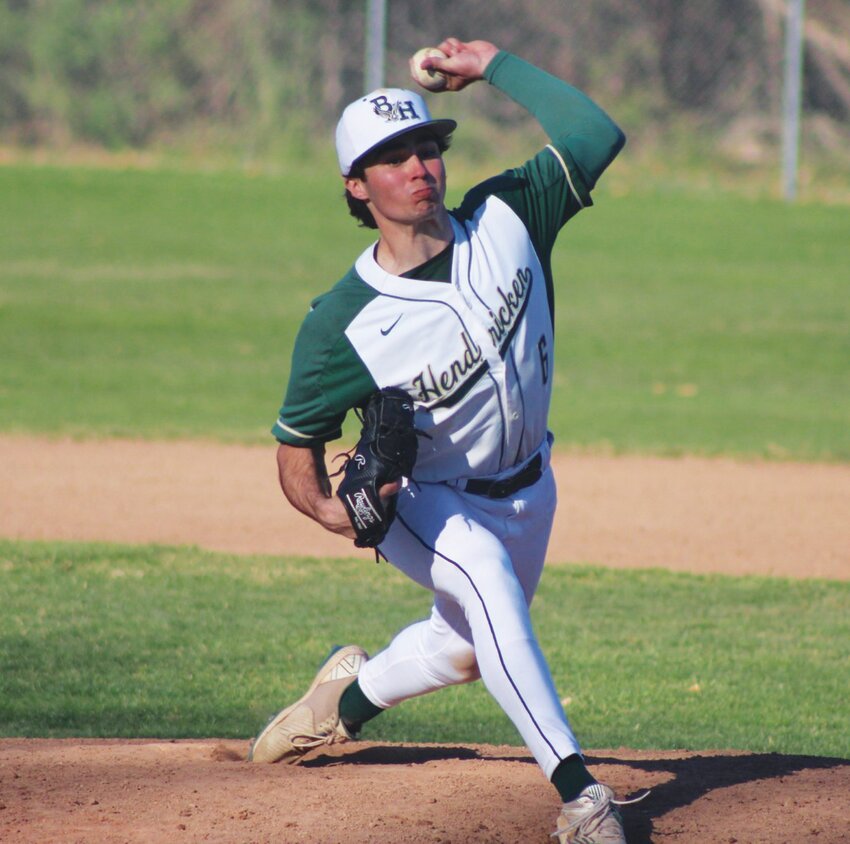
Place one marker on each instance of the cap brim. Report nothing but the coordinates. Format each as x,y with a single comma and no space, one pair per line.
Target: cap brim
441,127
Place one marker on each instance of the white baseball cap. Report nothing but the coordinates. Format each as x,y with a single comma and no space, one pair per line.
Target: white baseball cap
378,117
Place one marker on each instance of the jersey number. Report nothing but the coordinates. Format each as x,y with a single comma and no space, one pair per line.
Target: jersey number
543,350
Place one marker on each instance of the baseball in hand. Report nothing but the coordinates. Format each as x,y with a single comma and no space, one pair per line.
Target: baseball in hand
430,79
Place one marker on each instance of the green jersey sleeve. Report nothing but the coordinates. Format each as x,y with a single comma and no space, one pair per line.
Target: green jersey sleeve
554,185
326,379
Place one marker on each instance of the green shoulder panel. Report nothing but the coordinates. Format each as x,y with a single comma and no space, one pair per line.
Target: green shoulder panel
327,376
540,195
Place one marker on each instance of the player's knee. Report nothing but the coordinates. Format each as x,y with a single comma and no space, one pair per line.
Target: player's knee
462,661
447,645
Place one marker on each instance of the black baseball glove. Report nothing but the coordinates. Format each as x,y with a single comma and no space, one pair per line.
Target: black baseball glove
385,453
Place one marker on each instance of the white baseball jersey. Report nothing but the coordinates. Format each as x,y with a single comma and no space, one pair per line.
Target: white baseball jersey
468,335
474,353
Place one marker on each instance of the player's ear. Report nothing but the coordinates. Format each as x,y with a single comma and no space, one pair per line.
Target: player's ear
356,188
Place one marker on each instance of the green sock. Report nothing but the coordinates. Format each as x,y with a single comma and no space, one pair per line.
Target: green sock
571,777
355,709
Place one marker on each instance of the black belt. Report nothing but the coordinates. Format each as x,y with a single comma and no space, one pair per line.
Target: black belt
528,475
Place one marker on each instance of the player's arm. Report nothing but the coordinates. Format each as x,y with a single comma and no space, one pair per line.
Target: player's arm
304,480
326,379
578,128
576,125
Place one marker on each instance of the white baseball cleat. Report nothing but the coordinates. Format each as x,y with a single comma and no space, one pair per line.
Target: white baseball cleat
592,818
314,719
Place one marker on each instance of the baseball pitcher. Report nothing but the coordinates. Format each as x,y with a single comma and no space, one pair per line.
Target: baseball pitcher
441,337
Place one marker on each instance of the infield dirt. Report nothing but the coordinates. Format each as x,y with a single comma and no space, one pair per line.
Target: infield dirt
687,514
684,514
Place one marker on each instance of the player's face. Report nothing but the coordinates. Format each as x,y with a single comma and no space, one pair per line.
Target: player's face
405,181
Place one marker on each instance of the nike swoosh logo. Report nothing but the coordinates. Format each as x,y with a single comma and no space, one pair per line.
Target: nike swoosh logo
386,331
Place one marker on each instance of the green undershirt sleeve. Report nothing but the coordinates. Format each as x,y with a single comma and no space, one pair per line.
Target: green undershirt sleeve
574,123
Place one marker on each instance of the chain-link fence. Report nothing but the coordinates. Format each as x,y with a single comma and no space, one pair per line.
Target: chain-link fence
704,75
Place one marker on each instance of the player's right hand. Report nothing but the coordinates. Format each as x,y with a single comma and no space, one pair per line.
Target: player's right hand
465,63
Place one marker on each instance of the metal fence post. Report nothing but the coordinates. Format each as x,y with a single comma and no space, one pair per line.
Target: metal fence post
376,27
791,97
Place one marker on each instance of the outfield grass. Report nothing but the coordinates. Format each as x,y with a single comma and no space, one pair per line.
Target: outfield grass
100,640
164,304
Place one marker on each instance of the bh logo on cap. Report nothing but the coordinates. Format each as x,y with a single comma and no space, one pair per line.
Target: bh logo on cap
399,110
378,117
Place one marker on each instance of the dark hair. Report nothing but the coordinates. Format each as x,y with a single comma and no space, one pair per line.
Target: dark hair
358,207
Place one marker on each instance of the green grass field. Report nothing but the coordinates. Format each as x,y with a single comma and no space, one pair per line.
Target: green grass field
164,304
99,640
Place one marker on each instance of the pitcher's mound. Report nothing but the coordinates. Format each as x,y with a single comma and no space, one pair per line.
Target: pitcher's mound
192,791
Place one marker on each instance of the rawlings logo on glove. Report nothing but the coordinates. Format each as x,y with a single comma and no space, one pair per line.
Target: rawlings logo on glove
385,453
361,510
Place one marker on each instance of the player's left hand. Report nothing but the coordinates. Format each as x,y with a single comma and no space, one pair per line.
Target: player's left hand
333,516
385,452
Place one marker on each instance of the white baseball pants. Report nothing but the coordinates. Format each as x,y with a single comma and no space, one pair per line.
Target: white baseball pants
482,558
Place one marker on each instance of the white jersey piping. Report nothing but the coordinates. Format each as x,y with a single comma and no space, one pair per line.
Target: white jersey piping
292,431
566,173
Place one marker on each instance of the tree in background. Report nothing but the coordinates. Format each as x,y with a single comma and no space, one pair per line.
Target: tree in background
123,73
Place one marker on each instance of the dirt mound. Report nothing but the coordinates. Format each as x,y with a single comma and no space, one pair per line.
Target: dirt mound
202,791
